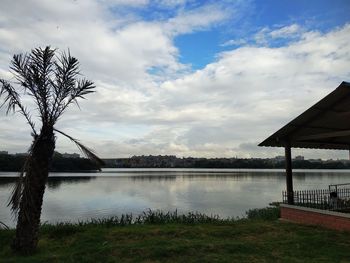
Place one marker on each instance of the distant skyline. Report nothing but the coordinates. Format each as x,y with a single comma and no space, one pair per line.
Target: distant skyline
184,78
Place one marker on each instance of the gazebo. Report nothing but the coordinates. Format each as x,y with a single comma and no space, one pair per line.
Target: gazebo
325,125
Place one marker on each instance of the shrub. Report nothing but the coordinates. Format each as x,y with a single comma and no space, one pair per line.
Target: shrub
267,213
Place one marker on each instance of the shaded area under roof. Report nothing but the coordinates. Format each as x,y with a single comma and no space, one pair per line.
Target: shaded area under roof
325,125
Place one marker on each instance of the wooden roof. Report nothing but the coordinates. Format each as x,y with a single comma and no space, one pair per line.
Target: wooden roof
325,125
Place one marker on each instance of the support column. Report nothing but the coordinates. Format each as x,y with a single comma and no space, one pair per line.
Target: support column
289,173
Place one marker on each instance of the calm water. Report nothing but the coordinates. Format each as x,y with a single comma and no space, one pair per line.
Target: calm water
226,192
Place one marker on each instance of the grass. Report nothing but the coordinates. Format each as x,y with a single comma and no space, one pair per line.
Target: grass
165,237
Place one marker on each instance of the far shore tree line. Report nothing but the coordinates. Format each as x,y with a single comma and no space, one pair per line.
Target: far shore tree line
60,163
14,163
171,161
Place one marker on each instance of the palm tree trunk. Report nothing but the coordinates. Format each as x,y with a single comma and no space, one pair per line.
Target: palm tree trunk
37,171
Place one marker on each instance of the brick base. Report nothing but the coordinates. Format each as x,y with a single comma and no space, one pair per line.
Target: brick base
311,216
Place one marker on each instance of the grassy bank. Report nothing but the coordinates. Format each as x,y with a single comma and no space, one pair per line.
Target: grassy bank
249,240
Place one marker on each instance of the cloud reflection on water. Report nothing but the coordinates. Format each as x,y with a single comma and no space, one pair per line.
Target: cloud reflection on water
228,194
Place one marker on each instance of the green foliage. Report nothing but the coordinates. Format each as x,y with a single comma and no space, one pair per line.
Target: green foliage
11,163
159,217
14,163
171,161
60,230
267,213
149,217
60,163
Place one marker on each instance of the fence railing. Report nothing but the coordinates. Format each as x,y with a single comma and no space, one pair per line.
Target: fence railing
328,199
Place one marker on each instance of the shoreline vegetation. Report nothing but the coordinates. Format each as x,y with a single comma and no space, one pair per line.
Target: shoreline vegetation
14,163
155,236
171,161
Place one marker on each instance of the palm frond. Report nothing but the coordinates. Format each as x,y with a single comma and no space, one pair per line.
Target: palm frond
12,99
11,96
26,75
66,71
16,194
42,64
83,88
85,150
34,72
4,226
17,191
19,65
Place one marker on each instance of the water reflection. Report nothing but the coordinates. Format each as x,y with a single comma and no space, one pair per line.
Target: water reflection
7,181
72,197
52,183
56,182
153,178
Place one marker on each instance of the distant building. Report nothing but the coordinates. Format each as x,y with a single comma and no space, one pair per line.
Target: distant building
279,158
4,152
315,160
70,155
299,158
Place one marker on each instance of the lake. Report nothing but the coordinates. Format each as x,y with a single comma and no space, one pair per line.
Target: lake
112,192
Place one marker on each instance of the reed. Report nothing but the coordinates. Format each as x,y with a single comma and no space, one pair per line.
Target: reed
158,217
148,217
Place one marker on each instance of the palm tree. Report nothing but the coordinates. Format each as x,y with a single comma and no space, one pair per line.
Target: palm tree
52,82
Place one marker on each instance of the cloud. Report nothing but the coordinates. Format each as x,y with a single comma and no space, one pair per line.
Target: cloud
252,91
242,98
171,3
287,31
117,53
268,37
196,19
234,42
130,3
147,102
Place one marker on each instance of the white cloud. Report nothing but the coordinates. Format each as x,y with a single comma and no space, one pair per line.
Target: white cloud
250,92
132,3
171,3
234,42
242,98
267,36
224,109
260,37
196,19
286,31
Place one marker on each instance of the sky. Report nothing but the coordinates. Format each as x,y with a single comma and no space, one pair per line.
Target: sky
183,77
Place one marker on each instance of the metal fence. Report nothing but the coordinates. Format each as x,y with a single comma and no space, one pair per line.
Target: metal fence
336,198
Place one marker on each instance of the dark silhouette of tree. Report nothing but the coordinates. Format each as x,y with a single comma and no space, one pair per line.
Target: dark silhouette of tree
52,81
